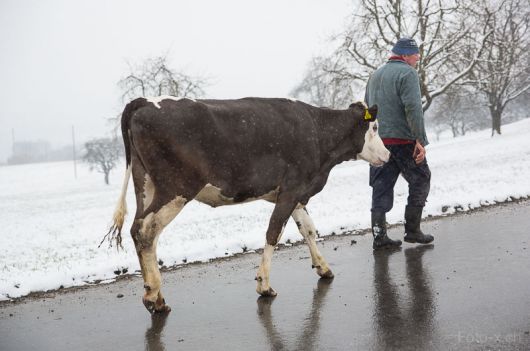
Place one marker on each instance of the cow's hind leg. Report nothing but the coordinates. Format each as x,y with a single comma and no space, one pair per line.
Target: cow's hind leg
283,209
145,232
308,231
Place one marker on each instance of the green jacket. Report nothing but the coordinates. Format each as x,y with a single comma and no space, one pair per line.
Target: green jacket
395,89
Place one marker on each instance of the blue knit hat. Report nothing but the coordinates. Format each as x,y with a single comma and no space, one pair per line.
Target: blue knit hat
405,46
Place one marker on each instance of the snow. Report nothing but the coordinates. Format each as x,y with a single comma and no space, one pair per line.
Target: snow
53,223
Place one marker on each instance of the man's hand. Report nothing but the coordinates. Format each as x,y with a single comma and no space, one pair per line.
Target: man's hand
419,153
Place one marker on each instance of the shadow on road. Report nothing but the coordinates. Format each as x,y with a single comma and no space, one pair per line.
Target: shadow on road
153,340
308,333
401,315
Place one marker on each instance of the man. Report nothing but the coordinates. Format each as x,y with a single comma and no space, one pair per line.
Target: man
395,89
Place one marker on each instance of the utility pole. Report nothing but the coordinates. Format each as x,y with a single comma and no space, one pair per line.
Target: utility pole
12,145
73,150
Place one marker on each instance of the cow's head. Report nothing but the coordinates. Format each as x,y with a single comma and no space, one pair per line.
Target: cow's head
373,151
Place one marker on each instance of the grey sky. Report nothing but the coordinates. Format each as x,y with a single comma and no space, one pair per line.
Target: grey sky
60,60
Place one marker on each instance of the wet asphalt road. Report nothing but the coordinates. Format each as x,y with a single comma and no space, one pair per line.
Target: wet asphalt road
468,291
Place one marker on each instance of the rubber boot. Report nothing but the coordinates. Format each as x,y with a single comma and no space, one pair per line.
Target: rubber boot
413,233
381,240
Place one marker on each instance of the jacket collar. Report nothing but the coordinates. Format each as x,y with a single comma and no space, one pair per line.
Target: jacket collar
396,58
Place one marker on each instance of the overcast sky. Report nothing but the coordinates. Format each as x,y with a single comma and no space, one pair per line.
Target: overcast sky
60,60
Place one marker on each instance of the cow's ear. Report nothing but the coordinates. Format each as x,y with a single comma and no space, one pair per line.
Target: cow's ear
370,114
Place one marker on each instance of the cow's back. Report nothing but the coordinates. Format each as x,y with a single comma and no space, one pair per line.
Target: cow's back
248,143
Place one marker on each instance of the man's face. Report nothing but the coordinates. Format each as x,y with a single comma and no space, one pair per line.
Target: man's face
412,60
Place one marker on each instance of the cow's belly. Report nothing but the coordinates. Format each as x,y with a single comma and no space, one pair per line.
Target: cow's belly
212,196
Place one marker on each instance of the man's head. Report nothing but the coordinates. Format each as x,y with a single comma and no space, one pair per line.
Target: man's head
408,49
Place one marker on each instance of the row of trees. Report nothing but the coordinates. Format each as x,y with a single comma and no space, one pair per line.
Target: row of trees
473,54
475,62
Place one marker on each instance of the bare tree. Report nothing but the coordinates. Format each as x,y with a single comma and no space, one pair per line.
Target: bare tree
154,77
458,111
102,154
504,72
322,89
443,29
518,108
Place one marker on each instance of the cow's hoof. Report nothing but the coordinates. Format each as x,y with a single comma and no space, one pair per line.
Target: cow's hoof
153,308
268,293
325,275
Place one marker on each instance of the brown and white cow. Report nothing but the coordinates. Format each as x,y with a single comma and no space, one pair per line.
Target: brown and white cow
223,152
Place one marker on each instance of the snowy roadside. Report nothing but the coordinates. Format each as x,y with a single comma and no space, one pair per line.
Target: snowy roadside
53,223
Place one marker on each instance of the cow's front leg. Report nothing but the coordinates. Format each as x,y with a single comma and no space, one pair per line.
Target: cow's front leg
280,215
262,277
308,231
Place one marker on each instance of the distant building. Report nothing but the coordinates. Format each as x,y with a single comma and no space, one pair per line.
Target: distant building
38,151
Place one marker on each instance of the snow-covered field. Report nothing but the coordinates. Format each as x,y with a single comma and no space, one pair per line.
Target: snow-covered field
52,223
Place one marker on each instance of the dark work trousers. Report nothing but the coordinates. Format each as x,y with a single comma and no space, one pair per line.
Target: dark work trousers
383,179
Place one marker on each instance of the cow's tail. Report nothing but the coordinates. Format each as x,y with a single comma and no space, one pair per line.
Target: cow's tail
114,233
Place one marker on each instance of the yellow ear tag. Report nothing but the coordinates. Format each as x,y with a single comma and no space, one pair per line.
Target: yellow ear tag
367,115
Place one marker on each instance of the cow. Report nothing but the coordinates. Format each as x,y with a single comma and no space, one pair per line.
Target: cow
224,152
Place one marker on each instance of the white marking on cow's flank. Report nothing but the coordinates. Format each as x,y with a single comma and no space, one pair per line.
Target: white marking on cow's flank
157,99
170,210
212,196
149,191
154,223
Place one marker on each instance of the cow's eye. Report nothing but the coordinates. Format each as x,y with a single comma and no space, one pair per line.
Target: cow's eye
374,128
